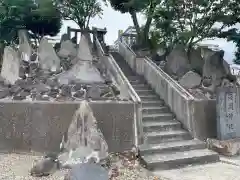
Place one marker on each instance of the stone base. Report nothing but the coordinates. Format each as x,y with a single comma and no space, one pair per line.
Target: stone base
229,147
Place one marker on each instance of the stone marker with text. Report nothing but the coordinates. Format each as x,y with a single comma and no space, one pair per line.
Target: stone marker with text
228,113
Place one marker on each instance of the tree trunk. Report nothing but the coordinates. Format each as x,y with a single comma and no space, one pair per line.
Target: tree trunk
136,25
145,36
148,23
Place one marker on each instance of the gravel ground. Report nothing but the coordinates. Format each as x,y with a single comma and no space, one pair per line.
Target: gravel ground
16,167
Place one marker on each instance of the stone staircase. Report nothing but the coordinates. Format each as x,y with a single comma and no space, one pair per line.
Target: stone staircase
167,144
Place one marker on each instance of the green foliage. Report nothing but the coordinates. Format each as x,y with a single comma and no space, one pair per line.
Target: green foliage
234,35
45,20
79,11
134,6
12,14
189,22
41,18
126,6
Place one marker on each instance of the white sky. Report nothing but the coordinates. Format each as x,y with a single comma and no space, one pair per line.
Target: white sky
114,21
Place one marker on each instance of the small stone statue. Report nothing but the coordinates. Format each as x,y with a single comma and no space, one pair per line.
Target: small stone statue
45,167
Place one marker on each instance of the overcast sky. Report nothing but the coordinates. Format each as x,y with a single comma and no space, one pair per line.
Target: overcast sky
115,21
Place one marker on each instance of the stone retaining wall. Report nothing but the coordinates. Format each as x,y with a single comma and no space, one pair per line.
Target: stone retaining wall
39,126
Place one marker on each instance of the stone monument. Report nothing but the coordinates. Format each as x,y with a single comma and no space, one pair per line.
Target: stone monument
10,65
83,71
24,46
228,113
48,58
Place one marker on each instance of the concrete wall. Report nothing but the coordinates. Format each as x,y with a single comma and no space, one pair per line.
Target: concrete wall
39,126
204,122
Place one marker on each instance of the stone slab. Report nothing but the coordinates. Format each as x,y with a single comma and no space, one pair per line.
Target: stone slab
48,58
229,147
24,46
10,65
88,172
219,171
228,113
84,52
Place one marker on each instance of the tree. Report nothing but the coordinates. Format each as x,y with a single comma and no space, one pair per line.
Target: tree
12,14
133,7
44,20
79,11
233,35
39,17
188,22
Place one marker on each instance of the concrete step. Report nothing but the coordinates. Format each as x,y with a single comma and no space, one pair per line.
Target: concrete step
136,82
179,159
167,136
155,110
152,103
134,78
186,145
149,97
141,86
161,126
144,91
158,117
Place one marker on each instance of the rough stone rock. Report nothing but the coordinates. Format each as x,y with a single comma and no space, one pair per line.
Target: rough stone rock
88,171
24,46
52,82
213,67
226,83
22,72
190,80
67,49
4,92
225,147
94,92
10,65
196,60
15,89
66,63
197,93
19,97
177,62
53,93
41,87
2,80
57,46
34,57
64,38
159,56
74,40
24,93
48,58
162,64
44,167
77,87
66,90
44,97
206,82
79,94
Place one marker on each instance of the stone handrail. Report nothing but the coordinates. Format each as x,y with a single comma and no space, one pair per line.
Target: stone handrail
127,53
125,88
